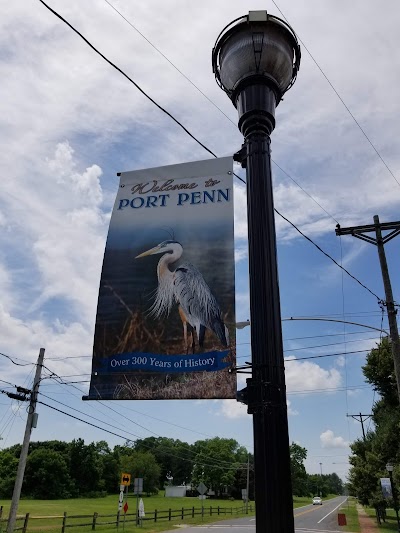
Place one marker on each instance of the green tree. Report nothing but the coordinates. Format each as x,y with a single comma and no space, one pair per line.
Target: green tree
8,471
46,475
334,484
379,372
172,455
141,465
216,463
241,476
85,467
381,445
298,471
109,462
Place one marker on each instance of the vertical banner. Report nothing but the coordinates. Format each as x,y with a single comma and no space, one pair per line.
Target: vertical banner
165,324
386,488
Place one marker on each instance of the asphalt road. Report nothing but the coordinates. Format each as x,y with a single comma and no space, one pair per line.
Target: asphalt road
318,518
308,519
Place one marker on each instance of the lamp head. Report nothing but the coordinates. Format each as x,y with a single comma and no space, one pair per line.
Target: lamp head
257,48
389,467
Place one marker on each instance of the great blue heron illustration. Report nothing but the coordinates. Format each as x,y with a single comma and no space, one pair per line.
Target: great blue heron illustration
185,285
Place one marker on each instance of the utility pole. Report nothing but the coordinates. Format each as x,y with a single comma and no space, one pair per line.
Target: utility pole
361,418
361,233
30,423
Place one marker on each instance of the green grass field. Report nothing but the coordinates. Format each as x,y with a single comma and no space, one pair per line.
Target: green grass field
391,520
350,510
47,515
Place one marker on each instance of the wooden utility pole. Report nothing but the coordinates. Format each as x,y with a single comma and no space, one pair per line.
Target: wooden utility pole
361,418
30,423
379,240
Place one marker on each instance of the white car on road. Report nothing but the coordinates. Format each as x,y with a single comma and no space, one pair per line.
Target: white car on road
317,500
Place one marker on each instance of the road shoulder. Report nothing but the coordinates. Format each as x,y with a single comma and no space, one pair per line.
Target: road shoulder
367,524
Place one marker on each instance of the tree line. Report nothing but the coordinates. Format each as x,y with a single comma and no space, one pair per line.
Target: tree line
57,469
381,445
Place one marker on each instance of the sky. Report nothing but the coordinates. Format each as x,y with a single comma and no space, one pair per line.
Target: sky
70,122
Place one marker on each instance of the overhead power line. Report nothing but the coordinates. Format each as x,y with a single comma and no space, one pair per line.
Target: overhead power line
216,465
185,129
61,382
214,104
170,62
341,99
98,419
330,257
305,192
128,78
12,359
324,355
311,356
329,389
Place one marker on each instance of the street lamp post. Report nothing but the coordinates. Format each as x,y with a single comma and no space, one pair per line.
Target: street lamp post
320,467
255,61
389,468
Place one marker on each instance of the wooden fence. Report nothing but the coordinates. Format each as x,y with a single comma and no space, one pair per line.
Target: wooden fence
97,520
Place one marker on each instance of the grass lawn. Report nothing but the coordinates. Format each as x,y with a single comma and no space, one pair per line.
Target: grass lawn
391,520
299,501
41,511
350,510
47,515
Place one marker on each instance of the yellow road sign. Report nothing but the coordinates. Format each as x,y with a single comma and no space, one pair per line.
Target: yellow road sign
125,479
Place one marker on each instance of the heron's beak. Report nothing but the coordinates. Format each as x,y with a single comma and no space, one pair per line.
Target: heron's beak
152,251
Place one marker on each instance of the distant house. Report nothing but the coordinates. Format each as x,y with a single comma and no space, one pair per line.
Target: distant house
176,491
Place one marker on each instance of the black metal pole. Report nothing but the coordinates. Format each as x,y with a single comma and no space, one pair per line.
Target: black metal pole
395,499
266,390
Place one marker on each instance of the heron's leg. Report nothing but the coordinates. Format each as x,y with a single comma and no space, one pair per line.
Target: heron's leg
227,335
193,340
184,324
185,336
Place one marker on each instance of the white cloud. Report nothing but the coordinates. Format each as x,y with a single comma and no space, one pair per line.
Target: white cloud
241,252
71,122
233,409
340,361
290,410
307,376
56,246
328,440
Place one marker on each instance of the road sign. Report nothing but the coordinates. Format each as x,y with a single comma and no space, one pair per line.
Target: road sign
141,509
244,495
202,489
121,497
138,485
126,507
126,479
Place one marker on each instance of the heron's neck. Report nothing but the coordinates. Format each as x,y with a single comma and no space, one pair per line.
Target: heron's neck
163,264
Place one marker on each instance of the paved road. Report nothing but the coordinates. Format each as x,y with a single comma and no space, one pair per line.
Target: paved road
317,518
308,519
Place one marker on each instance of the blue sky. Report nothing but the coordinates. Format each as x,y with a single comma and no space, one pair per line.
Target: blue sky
70,123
